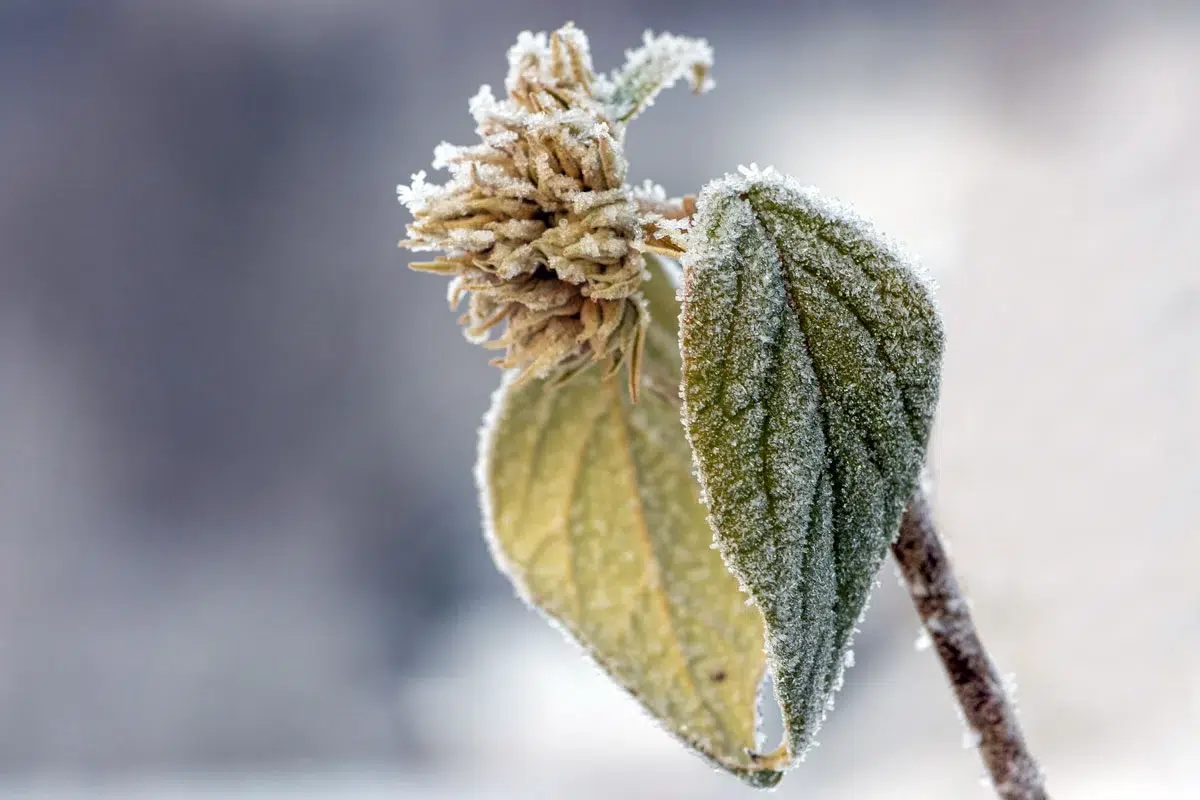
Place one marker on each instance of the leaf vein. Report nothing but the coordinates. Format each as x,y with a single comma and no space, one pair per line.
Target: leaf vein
622,427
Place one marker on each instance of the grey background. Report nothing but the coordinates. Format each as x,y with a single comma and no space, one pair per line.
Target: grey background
239,550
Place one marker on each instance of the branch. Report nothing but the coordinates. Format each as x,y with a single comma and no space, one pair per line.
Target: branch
943,610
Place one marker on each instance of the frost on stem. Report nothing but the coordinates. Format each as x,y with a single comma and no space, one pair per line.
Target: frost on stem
537,225
983,696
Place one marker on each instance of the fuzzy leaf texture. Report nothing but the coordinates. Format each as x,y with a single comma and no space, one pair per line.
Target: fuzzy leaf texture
811,359
592,511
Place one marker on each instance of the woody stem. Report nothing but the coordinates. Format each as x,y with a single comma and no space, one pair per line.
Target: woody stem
944,612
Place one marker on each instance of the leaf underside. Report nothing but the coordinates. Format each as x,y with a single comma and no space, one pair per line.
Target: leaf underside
811,354
594,514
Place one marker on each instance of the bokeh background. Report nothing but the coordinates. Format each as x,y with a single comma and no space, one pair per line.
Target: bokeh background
239,547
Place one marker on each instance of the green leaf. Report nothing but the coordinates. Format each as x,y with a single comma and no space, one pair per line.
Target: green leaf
657,65
812,351
592,511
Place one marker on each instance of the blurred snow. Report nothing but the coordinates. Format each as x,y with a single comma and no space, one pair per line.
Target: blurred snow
346,785
238,555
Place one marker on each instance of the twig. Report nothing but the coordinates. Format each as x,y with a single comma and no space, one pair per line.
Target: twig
981,694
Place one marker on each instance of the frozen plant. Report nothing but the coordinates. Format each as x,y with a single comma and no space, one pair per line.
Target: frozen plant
780,361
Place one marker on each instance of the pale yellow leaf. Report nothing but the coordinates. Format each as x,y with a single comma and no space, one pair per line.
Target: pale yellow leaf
593,512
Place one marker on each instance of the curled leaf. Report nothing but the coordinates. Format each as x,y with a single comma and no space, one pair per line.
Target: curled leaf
592,511
657,65
811,358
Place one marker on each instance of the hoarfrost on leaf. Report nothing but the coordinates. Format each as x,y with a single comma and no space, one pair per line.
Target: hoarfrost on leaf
811,359
658,64
650,192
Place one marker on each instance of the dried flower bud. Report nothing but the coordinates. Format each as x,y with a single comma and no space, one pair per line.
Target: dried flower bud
537,225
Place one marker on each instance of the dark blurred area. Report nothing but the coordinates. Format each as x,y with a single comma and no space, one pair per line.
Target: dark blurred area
238,534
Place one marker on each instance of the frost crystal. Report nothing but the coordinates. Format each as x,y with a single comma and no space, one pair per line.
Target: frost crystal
536,223
659,64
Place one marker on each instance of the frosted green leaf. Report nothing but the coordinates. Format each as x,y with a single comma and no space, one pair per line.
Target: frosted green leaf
657,65
592,511
811,350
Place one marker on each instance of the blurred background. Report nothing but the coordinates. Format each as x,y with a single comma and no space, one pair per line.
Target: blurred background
239,547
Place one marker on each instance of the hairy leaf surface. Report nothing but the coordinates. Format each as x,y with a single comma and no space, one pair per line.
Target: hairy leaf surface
593,512
811,356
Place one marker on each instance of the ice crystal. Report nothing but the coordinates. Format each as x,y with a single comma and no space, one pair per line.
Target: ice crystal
660,63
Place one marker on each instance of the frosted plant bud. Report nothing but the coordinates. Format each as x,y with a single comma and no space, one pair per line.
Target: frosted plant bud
536,224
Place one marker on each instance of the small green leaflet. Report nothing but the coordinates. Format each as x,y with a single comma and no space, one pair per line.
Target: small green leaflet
811,358
592,511
657,65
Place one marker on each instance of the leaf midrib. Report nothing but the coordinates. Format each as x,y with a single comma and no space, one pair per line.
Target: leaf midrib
653,563
827,467
911,418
